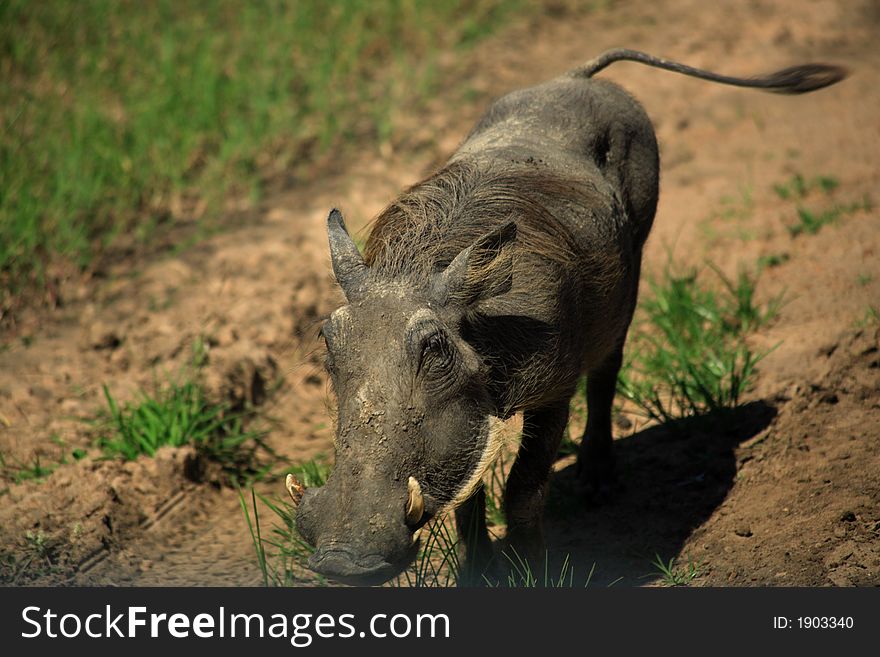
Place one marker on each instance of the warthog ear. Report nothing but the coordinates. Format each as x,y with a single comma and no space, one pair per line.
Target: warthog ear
348,264
481,271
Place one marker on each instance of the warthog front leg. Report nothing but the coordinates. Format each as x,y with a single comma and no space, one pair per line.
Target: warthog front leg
475,546
526,492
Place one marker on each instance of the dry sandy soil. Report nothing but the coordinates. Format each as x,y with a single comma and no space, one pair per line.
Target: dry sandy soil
786,493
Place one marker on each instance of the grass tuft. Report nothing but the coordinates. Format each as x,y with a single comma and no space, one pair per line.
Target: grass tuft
437,564
798,187
179,414
21,471
772,260
811,222
282,554
35,557
16,471
521,575
688,353
870,317
673,575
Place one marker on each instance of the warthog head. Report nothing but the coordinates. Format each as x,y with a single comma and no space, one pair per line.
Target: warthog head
413,427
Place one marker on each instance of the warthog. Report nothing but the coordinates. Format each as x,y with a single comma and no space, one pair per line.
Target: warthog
485,290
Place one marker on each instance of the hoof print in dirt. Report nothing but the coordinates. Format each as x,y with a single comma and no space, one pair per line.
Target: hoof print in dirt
240,374
199,468
102,336
194,466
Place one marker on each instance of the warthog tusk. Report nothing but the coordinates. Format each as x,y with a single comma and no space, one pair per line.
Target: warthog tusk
294,489
415,504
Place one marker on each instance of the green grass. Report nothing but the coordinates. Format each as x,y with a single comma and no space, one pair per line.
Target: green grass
16,471
117,118
772,260
20,471
178,414
34,557
673,575
687,354
870,317
521,575
282,553
281,556
437,564
798,187
811,222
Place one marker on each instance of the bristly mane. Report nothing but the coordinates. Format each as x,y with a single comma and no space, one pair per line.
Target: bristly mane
430,223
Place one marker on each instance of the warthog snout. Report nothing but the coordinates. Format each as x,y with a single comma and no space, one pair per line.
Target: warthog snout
330,518
344,563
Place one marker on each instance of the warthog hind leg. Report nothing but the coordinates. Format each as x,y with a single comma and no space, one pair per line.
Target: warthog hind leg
596,457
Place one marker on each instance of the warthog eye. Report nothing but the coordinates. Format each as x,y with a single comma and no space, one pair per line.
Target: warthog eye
437,355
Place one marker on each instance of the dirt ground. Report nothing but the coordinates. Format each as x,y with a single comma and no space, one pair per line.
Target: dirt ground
785,493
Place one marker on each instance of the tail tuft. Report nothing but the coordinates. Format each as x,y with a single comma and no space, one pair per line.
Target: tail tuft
805,78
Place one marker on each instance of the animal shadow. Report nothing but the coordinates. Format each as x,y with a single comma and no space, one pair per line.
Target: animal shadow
671,478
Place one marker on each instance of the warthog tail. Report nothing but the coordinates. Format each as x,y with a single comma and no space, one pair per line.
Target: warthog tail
795,80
